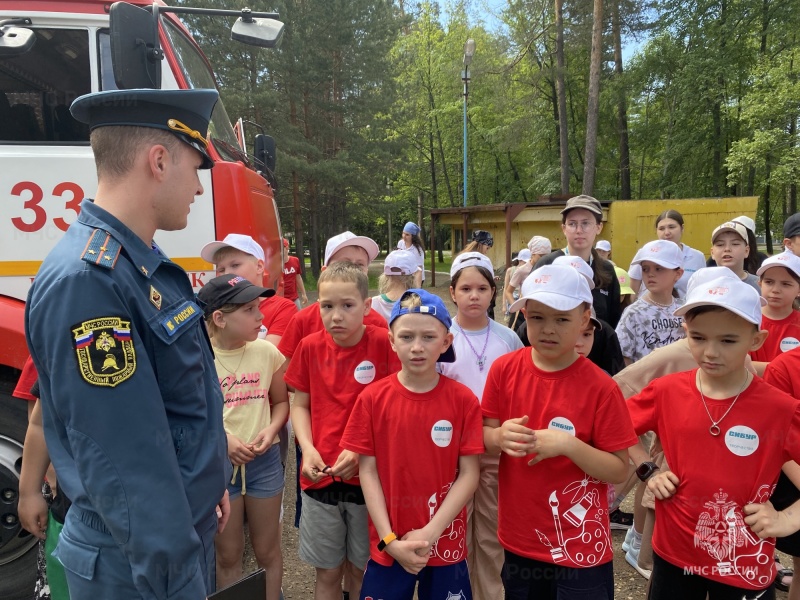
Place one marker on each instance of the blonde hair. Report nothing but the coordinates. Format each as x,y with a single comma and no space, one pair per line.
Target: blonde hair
388,282
346,272
115,147
411,301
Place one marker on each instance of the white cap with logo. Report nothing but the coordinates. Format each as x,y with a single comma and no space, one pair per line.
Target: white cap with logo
470,259
560,287
243,243
576,262
400,262
348,238
787,260
737,228
664,253
734,295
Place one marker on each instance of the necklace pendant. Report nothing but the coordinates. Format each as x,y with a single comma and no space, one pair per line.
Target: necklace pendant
481,363
714,430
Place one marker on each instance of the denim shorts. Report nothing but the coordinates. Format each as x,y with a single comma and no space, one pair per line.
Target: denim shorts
263,476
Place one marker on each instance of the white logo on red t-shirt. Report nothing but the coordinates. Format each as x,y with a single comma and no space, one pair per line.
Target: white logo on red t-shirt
365,372
442,433
789,343
562,424
741,440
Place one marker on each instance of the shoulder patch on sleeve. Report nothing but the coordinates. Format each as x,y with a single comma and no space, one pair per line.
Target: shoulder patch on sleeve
102,249
105,352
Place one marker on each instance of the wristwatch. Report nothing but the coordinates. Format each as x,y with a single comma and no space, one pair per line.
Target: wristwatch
386,541
645,470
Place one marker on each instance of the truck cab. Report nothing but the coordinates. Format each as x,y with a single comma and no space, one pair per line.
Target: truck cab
47,168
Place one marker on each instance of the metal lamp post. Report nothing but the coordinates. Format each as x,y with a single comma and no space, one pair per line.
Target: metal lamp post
469,52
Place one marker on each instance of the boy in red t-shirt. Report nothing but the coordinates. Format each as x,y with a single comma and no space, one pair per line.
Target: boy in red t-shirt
293,287
725,434
328,372
419,437
549,402
345,247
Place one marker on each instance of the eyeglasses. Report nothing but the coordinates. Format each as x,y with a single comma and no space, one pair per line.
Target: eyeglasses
582,225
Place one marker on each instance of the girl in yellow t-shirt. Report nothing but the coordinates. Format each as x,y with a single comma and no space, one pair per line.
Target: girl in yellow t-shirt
255,409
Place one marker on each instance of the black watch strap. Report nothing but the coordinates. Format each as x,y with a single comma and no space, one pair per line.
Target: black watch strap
646,470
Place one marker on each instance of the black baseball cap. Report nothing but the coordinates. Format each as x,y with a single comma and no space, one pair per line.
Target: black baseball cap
483,237
229,289
791,227
184,113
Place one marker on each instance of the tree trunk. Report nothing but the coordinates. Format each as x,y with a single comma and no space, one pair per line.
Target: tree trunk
590,152
767,208
561,92
622,110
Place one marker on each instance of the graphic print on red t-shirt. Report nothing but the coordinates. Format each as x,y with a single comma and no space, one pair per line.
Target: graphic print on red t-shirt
553,511
417,440
701,527
291,269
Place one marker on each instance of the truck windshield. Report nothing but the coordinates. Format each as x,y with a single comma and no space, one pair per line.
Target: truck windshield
198,75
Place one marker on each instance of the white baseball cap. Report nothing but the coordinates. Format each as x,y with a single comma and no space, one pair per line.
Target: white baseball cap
706,274
558,286
470,259
576,262
540,245
400,262
524,255
348,238
785,259
747,222
603,245
734,295
243,243
730,226
664,253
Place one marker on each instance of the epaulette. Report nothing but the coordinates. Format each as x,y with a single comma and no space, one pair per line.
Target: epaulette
102,249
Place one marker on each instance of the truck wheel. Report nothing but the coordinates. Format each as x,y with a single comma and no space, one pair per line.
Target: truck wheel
18,548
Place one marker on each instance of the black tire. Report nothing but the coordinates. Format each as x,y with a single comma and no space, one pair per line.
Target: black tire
18,548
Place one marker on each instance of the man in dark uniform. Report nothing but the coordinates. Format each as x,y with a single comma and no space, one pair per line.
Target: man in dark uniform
132,409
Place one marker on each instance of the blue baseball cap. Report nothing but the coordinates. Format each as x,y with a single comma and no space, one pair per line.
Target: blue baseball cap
431,305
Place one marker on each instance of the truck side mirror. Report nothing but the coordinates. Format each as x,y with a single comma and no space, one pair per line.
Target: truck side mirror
264,33
265,157
15,41
135,51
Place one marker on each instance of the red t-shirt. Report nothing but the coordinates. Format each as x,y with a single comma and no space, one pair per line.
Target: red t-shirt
416,440
702,526
553,511
278,312
784,335
334,377
309,321
26,380
784,372
291,269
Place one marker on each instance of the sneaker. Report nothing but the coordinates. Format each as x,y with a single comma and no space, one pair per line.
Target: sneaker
626,544
632,556
619,519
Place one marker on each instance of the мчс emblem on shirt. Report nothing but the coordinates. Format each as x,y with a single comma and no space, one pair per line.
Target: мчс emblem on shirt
105,352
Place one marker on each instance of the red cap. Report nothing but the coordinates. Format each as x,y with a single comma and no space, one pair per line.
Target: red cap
285,243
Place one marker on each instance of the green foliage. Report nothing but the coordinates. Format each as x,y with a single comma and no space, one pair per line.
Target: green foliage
365,100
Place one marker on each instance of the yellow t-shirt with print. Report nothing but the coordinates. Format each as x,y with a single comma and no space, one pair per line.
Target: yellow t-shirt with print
245,375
